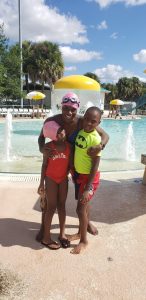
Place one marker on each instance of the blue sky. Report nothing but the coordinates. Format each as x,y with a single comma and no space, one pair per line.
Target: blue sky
106,37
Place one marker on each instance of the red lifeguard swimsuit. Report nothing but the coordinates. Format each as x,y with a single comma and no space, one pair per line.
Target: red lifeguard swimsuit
57,168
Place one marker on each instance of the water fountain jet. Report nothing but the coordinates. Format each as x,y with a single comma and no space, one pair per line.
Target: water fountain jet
130,144
8,130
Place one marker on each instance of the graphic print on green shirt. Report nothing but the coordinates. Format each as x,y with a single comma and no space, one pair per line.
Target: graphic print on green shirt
83,142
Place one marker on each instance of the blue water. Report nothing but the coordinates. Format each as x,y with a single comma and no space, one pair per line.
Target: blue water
117,129
26,158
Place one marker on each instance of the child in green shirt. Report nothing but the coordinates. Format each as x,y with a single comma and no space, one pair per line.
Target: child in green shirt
86,175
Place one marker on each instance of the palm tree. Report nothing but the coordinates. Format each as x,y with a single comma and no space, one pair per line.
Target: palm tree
113,92
49,62
93,76
124,86
137,88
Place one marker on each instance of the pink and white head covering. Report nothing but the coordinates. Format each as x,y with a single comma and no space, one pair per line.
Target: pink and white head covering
70,99
50,130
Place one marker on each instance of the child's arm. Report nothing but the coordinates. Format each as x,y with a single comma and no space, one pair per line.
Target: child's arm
94,168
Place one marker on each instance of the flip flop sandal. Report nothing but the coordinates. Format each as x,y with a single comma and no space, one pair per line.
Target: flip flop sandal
65,243
51,244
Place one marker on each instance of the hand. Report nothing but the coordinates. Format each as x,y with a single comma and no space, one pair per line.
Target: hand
93,151
41,189
48,152
85,197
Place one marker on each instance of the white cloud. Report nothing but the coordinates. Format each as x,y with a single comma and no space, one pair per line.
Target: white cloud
102,25
41,22
105,3
140,56
112,73
143,79
79,55
114,35
71,68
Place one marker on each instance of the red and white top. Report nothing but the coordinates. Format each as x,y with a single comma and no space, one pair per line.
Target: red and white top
58,165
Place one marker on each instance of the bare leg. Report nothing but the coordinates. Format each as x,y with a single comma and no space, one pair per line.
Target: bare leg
62,195
39,235
51,194
82,211
73,237
91,228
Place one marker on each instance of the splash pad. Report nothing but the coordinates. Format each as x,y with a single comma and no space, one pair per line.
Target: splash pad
123,152
26,158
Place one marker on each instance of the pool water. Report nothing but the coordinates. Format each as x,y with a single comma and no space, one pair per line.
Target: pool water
127,143
123,151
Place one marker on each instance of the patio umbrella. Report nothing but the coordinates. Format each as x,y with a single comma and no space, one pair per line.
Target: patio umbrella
35,95
116,102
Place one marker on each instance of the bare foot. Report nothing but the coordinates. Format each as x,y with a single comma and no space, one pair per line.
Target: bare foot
73,237
79,248
92,229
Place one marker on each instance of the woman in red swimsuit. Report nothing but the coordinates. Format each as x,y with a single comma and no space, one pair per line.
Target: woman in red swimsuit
54,183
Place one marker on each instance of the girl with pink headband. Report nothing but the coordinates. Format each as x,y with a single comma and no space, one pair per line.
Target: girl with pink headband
54,183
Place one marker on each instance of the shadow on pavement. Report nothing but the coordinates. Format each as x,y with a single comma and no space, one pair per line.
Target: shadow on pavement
23,233
114,201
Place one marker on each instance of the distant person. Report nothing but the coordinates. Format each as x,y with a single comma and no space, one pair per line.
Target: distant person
54,183
72,123
86,174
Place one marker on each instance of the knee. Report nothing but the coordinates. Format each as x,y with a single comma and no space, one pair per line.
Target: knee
50,209
80,212
61,207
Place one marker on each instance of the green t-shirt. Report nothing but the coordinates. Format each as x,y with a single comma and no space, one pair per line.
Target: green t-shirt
85,140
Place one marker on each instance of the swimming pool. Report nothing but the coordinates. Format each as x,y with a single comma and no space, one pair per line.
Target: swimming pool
123,152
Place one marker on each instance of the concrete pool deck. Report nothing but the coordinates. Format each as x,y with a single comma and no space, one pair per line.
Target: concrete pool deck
113,267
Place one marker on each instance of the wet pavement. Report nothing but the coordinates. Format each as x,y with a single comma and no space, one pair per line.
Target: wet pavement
113,267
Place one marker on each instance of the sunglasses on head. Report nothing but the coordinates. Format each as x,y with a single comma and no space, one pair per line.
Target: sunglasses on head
72,100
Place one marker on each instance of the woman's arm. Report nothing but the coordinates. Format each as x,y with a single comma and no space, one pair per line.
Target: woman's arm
41,141
93,151
104,136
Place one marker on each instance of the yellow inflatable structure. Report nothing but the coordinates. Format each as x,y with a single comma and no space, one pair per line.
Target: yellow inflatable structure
77,82
87,89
